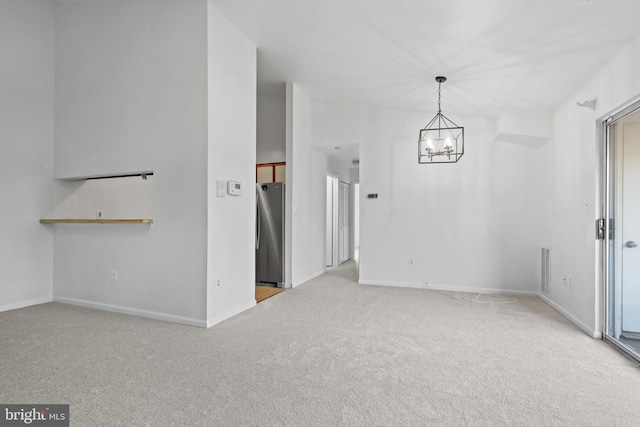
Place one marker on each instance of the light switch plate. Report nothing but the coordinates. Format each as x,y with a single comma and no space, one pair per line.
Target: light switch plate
221,188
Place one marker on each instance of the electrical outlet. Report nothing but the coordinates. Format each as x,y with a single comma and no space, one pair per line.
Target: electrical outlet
99,213
412,261
114,276
218,282
567,281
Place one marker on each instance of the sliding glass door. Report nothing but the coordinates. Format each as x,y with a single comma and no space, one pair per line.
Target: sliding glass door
621,230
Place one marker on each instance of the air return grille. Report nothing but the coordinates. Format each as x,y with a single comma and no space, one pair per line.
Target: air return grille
545,282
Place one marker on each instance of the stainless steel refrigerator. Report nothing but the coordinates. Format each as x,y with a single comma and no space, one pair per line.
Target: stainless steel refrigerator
270,234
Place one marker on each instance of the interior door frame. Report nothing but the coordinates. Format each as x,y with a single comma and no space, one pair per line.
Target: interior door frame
344,189
332,220
606,193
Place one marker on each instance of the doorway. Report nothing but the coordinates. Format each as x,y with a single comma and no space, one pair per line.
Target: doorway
356,222
620,230
337,228
343,223
331,230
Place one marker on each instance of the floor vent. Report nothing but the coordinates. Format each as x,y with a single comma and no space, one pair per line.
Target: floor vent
545,280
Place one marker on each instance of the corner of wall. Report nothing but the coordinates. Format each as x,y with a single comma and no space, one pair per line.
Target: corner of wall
231,156
26,171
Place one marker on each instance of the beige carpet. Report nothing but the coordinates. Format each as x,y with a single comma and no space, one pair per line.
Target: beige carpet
327,353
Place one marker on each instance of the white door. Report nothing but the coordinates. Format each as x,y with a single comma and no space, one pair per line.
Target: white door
343,222
332,228
356,220
630,228
329,224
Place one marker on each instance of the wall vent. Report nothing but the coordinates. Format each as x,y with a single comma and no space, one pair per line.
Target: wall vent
545,280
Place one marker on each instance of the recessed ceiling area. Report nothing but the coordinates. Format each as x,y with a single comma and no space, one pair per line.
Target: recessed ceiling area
497,54
342,156
267,72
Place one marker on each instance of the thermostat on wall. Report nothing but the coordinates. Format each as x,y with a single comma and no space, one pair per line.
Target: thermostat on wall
234,188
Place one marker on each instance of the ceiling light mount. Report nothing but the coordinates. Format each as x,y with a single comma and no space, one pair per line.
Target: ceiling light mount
441,140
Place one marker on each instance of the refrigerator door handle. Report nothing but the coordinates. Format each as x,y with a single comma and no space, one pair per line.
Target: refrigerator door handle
257,223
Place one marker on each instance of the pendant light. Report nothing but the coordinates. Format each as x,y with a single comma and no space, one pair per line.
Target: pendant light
441,140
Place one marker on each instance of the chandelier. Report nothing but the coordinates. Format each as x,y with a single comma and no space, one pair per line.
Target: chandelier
441,140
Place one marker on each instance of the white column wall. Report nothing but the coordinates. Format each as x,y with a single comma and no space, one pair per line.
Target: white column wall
231,156
131,95
308,192
26,150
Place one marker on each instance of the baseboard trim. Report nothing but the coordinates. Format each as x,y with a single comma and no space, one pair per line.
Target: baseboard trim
311,277
214,321
447,288
583,326
132,311
27,303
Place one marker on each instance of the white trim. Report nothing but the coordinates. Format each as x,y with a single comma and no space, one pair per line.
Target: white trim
617,110
413,285
27,303
133,311
586,328
447,288
308,278
231,313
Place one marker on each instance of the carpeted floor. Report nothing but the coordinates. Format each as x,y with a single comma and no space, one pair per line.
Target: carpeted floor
326,353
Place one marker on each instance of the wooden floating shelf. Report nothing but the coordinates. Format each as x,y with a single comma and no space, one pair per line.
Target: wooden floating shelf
96,221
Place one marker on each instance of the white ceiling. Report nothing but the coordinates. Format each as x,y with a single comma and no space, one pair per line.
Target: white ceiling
343,156
498,54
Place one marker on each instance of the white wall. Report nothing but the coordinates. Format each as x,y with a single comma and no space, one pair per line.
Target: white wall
471,226
573,187
232,156
339,169
131,95
338,124
307,185
271,123
288,214
122,197
26,129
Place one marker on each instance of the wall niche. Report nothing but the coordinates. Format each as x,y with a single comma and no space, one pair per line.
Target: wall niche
107,199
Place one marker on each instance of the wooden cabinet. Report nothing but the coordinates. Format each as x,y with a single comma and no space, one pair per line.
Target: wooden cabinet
271,172
280,173
264,174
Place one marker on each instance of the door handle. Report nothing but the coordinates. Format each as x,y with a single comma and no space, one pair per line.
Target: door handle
631,244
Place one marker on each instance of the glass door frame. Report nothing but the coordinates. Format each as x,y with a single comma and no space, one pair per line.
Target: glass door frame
607,191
